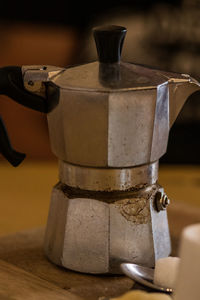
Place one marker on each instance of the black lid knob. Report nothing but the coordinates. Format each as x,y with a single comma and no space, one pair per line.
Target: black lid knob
109,41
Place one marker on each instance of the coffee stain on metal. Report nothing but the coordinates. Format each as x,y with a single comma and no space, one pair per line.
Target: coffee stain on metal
135,210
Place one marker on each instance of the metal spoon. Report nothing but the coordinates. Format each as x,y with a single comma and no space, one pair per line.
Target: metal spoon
142,275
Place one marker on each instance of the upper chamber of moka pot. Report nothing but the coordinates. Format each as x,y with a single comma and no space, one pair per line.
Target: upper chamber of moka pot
110,113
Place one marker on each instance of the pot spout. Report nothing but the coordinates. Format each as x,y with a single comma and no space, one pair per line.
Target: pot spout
179,91
171,96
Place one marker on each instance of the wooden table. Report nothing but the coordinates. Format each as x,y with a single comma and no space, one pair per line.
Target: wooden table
25,273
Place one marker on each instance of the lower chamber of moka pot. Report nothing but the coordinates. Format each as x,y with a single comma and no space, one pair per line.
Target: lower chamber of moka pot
95,231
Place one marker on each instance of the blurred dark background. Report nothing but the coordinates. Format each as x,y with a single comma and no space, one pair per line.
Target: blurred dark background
164,34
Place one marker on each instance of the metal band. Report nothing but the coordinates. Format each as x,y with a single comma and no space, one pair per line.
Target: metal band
107,179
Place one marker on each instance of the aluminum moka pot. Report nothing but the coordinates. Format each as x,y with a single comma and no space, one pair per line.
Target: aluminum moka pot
109,124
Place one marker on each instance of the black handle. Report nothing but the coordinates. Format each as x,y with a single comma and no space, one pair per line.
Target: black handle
11,84
109,41
14,157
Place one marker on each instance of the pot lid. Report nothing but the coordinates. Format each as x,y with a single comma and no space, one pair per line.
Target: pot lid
109,73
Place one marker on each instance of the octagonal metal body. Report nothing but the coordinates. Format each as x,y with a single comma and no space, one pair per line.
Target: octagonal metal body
109,129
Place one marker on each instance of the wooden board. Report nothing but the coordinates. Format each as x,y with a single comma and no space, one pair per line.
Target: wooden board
15,283
25,273
25,251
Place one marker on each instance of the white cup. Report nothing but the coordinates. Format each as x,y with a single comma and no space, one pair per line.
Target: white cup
188,280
